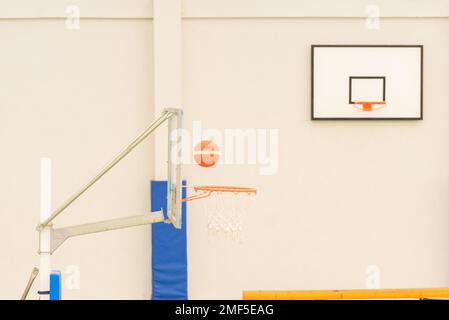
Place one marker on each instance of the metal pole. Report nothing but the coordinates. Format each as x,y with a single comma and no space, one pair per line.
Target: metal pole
155,124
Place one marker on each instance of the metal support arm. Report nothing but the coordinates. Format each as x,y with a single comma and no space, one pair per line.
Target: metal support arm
59,235
166,114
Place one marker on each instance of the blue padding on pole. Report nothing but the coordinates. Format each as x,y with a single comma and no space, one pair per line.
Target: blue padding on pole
169,250
55,285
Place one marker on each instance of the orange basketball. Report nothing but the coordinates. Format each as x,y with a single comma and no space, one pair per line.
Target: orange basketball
206,153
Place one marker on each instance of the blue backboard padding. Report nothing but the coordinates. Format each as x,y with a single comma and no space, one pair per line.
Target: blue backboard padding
169,250
55,285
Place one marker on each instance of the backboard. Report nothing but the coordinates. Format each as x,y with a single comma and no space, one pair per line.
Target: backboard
174,169
367,82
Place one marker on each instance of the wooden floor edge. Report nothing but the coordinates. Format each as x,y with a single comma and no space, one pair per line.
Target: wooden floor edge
360,294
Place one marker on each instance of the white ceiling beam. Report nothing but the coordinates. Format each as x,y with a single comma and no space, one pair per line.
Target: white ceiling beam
199,9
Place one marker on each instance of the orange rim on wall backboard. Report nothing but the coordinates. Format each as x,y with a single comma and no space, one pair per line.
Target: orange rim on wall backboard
367,93
368,105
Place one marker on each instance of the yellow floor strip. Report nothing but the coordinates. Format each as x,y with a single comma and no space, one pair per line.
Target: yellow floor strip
348,294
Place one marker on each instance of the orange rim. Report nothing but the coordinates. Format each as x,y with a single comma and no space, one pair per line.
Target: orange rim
206,191
368,105
224,189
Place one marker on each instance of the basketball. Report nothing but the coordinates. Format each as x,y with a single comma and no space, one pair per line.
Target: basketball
206,153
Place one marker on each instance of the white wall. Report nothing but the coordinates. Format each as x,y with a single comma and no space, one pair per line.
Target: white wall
347,194
77,97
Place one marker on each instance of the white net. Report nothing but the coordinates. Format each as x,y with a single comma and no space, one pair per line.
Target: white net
226,212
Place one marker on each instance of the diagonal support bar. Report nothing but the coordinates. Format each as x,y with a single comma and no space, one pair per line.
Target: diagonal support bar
33,276
59,235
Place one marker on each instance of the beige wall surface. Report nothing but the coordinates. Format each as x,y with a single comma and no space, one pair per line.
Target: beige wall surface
350,197
76,96
347,195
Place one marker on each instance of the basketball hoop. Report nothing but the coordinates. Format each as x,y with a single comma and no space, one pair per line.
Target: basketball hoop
368,105
225,207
